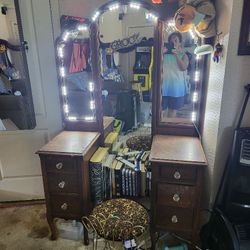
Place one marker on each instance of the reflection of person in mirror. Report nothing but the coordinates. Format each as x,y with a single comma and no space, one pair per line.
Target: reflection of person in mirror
175,64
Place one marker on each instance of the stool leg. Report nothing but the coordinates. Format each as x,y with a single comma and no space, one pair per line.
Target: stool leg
95,242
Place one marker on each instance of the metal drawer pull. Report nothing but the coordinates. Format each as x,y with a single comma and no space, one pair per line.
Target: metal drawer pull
174,219
177,175
61,184
64,206
59,165
176,198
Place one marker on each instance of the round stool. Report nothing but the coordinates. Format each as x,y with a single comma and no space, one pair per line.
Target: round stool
117,220
139,142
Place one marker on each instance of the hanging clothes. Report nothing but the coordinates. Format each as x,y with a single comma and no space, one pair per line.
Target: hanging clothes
79,57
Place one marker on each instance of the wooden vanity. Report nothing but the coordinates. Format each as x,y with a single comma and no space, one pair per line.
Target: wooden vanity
64,162
178,163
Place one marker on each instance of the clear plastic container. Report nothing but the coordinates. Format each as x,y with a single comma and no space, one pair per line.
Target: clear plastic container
69,229
180,247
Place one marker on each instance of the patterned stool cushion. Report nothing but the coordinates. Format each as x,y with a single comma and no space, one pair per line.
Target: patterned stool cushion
140,142
119,219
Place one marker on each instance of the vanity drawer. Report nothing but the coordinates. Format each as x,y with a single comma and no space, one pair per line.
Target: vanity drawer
65,205
178,174
176,195
172,218
63,183
60,164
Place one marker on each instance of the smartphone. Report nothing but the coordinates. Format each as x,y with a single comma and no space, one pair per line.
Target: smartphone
170,47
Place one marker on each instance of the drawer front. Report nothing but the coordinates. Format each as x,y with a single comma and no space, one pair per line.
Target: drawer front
176,195
60,164
178,174
172,218
63,183
66,205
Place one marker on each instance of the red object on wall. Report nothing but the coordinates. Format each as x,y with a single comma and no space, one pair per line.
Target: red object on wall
157,1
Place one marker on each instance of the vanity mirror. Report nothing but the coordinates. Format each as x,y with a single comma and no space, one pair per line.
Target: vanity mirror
79,86
178,77
126,35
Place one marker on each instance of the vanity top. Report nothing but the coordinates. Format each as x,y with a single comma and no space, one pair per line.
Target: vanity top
177,149
107,121
70,143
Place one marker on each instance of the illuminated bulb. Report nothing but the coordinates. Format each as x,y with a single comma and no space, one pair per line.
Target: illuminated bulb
66,108
171,23
92,105
60,52
192,34
91,86
195,96
64,91
194,116
197,58
151,16
196,76
72,118
89,118
95,16
62,71
66,36
82,28
114,7
135,6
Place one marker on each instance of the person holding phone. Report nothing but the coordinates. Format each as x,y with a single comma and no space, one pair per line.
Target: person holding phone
175,64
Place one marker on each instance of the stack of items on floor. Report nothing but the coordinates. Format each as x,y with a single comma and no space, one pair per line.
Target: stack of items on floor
117,171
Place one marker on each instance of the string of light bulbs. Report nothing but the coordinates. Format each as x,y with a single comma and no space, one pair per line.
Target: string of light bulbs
65,37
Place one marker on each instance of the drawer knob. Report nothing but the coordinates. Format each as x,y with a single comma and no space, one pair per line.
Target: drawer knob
59,165
174,219
61,184
64,206
177,175
176,198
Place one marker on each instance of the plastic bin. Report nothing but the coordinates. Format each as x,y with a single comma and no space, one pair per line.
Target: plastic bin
69,229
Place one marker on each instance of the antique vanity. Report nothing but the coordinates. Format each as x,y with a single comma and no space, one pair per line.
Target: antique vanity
177,157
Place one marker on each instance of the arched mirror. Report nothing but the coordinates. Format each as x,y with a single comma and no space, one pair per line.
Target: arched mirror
78,82
126,36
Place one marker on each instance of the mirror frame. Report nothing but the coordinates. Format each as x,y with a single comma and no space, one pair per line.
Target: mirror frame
158,127
171,128
81,125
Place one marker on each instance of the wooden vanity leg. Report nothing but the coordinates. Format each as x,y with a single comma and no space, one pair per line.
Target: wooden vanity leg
52,227
85,236
153,239
194,238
